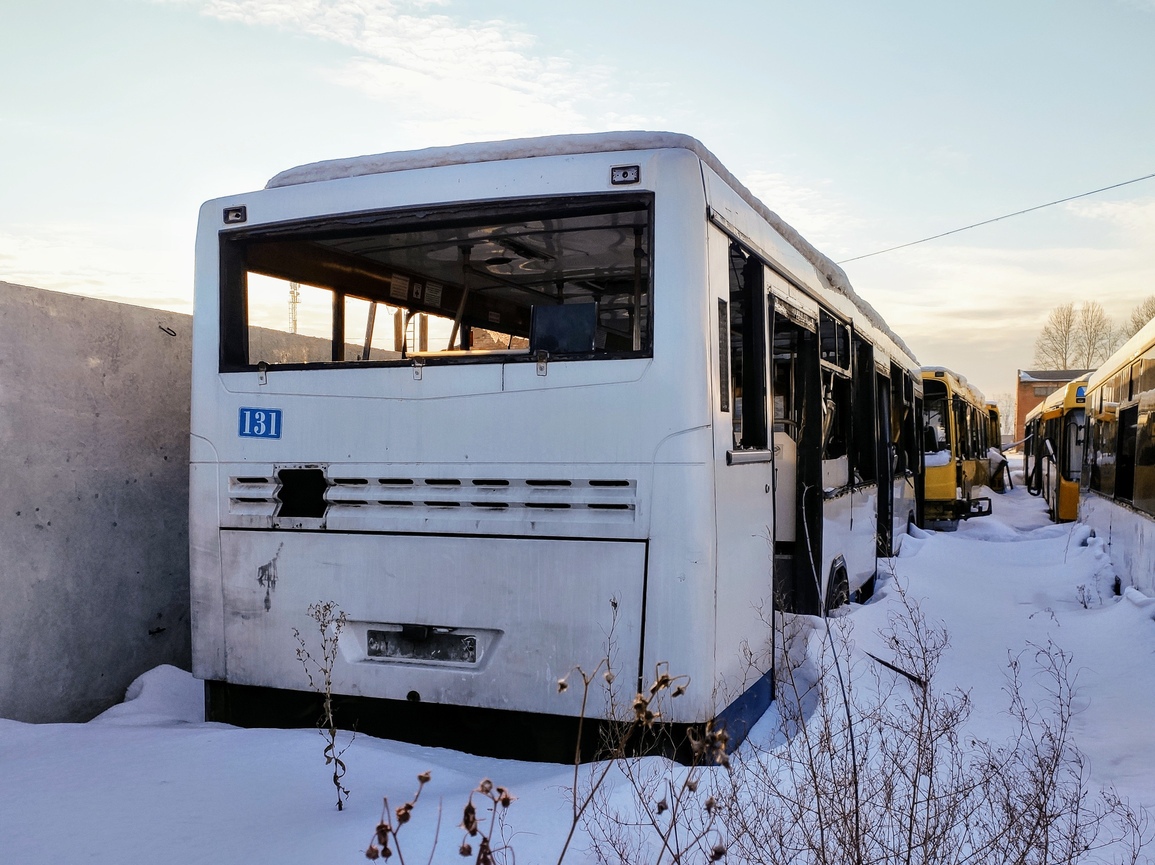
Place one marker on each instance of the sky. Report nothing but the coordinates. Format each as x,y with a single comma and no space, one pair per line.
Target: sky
864,126
149,780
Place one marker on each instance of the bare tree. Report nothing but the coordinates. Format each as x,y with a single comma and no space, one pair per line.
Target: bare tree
1006,404
1075,337
1094,335
1055,346
1140,315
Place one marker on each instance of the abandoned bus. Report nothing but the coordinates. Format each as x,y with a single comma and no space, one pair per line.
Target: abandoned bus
517,405
994,425
1118,481
955,447
1053,452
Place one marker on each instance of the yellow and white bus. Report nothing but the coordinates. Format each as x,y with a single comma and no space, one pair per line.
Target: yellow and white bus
994,425
1053,452
956,442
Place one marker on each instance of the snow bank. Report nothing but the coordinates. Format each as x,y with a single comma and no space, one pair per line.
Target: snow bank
148,780
164,694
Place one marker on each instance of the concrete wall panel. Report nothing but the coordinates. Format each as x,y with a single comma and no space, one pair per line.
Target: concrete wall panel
94,420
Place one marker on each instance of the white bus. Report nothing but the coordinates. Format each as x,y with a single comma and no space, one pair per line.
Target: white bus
497,400
1118,480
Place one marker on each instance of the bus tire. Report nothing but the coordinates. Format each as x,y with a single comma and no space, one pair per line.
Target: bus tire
838,590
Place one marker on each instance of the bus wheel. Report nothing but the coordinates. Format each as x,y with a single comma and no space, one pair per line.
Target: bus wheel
838,593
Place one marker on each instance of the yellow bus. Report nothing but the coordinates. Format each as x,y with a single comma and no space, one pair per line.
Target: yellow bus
994,425
956,439
999,478
1054,449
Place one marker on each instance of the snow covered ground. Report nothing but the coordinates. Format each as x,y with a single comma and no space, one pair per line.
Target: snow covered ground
148,781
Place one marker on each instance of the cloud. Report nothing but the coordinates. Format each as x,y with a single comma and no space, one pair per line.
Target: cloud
811,209
99,261
1134,218
450,106
457,79
979,310
1019,285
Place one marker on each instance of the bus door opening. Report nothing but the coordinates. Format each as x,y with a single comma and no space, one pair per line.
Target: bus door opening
887,443
797,436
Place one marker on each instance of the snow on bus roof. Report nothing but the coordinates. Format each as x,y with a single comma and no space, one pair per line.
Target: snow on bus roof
937,369
568,145
940,371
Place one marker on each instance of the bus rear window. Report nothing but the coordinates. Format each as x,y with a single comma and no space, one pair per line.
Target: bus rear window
503,282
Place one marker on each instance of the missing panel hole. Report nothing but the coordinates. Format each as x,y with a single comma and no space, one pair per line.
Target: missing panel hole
302,493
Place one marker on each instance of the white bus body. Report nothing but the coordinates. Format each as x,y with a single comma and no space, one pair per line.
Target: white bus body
484,510
1117,495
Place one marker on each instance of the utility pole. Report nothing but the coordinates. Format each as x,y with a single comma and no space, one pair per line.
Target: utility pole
294,301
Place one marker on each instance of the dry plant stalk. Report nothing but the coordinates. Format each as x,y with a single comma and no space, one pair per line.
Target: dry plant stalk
330,622
920,788
872,767
386,839
672,819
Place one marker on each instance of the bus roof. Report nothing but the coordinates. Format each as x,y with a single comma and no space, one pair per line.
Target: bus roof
568,145
957,381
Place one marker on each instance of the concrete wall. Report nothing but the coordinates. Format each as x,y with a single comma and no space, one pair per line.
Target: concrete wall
94,420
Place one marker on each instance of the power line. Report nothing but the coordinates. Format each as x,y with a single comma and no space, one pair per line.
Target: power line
997,218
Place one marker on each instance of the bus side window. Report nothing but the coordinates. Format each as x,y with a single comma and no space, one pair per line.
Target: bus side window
961,440
864,428
747,350
912,414
899,409
787,386
834,342
1143,494
723,355
1125,453
835,415
1103,453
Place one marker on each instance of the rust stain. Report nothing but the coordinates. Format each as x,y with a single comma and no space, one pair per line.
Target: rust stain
267,577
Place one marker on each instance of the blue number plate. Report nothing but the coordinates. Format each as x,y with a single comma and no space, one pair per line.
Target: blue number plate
260,423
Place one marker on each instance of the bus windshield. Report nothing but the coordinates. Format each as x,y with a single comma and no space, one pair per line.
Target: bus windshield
506,281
